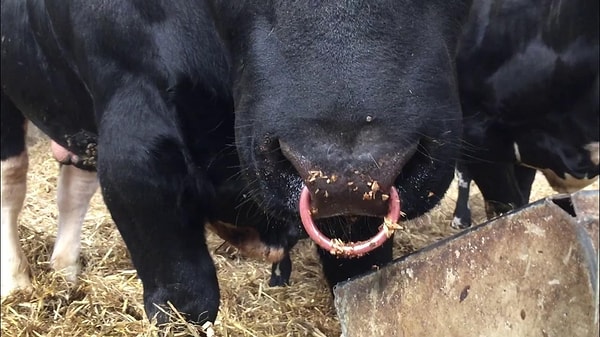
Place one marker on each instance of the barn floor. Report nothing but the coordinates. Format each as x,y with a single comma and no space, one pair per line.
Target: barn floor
107,300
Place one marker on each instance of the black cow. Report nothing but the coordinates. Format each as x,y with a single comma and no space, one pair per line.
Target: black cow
528,79
346,110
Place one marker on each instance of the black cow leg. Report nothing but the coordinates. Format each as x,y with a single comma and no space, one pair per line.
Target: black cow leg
281,271
286,235
525,177
157,204
499,187
462,212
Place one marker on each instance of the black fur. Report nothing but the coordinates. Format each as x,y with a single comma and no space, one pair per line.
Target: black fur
528,74
152,86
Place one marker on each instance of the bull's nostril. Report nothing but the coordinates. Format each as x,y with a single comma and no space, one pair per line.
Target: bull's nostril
271,155
268,144
298,161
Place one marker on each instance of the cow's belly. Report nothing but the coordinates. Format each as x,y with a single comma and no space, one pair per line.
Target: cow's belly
39,80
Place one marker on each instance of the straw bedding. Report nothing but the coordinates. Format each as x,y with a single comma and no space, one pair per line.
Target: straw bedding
107,299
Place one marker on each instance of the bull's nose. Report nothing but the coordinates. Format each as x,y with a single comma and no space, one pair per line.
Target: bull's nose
357,184
342,193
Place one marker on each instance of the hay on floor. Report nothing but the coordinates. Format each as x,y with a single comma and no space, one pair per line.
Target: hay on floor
107,300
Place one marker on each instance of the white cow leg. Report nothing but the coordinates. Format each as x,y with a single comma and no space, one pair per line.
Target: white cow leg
15,269
75,190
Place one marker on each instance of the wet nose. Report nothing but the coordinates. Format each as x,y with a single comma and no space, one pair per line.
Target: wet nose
348,183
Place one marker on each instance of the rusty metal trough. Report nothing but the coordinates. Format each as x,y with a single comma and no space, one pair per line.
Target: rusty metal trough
531,272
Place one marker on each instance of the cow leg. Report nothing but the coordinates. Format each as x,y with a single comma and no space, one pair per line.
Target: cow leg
462,211
281,271
499,187
525,177
75,190
158,200
15,269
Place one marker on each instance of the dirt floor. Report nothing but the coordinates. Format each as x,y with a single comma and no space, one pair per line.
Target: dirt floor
107,300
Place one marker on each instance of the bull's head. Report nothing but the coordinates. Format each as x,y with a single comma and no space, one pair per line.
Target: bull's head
352,102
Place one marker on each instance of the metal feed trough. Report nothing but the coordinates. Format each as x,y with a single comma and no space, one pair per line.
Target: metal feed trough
532,272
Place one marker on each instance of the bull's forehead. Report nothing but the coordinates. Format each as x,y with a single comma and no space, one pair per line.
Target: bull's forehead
317,74
349,32
369,58
347,25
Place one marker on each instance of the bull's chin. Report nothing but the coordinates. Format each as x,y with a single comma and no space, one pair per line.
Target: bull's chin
337,246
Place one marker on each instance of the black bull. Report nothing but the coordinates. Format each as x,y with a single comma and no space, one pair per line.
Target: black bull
171,101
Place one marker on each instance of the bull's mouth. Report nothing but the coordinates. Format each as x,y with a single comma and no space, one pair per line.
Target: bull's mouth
335,246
